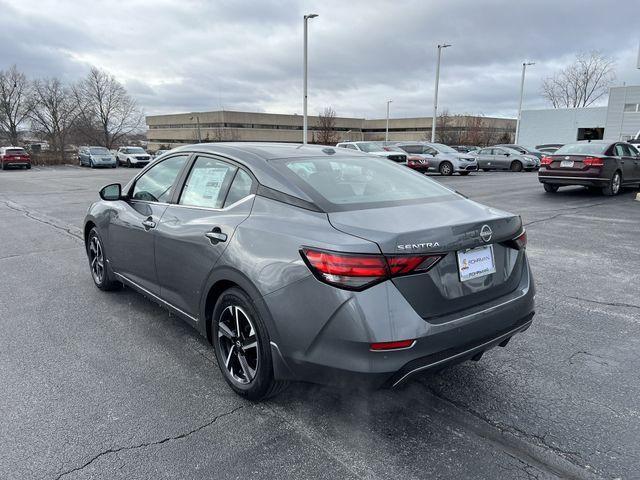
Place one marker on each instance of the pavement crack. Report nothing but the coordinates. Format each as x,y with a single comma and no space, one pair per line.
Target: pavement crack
562,212
112,450
608,304
70,230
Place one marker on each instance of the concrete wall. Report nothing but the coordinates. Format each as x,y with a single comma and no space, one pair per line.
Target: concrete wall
621,124
558,125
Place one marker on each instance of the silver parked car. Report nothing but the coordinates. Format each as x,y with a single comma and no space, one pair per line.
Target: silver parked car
95,157
313,263
442,158
376,148
503,158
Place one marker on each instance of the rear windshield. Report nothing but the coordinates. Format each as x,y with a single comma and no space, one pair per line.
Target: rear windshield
15,151
352,183
369,147
579,148
99,151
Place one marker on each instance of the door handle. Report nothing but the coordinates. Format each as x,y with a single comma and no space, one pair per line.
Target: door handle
215,236
148,223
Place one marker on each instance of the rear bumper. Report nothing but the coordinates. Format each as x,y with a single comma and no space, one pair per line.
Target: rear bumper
15,163
572,179
330,344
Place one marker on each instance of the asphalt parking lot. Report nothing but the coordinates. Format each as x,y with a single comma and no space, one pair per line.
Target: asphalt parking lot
109,385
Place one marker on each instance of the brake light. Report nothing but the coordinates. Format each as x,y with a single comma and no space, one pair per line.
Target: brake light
381,346
546,161
593,161
354,271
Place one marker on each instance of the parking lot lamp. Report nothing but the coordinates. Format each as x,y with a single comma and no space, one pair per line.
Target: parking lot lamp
524,69
386,131
304,88
435,94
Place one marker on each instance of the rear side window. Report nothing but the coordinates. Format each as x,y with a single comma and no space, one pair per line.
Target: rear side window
349,183
240,188
156,185
207,184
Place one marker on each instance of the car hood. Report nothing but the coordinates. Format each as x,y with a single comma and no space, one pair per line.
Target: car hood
435,225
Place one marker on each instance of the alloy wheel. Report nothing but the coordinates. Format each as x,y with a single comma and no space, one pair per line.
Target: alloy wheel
238,344
615,183
96,259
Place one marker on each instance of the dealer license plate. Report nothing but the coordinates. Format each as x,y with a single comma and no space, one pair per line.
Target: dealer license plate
476,262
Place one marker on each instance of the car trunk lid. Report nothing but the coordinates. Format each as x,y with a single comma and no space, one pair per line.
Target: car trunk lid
445,228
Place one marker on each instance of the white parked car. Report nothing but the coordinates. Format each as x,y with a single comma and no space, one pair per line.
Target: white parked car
132,157
375,148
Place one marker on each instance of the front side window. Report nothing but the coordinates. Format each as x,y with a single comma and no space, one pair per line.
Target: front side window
207,184
349,183
156,185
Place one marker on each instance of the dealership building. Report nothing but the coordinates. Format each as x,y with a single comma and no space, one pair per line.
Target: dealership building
168,131
618,120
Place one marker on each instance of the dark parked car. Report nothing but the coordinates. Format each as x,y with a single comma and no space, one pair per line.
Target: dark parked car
599,164
314,263
14,157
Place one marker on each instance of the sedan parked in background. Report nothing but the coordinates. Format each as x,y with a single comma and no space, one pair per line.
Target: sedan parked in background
14,157
503,158
313,263
596,164
441,158
465,148
375,148
133,157
96,157
522,150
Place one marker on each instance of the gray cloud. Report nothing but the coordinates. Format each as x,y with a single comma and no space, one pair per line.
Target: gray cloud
203,54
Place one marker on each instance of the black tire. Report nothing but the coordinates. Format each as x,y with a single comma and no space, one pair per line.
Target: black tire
235,359
3,166
28,166
486,169
129,163
464,174
91,165
446,169
614,186
549,188
516,166
104,279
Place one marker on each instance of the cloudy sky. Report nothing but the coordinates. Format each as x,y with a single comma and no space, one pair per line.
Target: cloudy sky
198,55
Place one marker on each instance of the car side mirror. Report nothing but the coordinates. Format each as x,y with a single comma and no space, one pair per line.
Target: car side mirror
111,193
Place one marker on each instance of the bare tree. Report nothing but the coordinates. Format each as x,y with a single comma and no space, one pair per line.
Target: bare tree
582,83
54,112
107,113
15,101
448,129
327,134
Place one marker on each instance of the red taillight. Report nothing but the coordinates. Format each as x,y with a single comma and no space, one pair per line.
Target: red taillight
546,161
593,161
357,271
381,346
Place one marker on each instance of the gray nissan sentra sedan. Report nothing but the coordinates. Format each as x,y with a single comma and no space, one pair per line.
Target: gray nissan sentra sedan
314,263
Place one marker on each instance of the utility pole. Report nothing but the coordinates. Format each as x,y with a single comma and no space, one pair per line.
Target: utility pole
386,132
435,94
304,88
524,69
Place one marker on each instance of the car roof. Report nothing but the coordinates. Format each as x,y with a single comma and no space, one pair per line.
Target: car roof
256,156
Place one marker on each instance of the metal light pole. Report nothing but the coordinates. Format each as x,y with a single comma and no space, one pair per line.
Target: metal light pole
386,131
524,69
435,95
304,94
